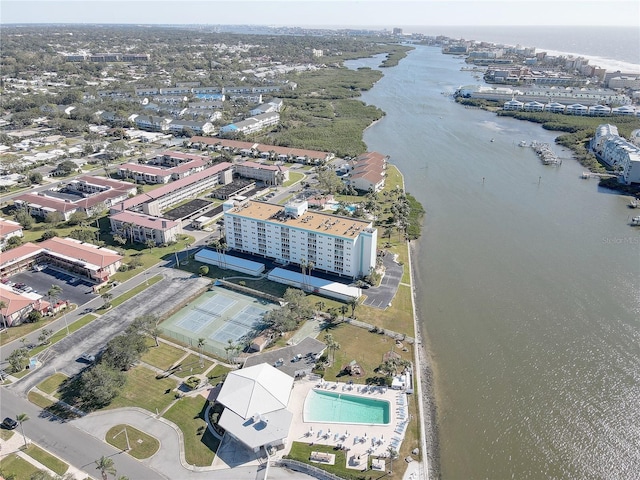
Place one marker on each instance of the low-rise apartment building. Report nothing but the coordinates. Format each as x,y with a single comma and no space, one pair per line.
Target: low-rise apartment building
86,194
368,172
617,153
8,229
269,174
84,259
141,228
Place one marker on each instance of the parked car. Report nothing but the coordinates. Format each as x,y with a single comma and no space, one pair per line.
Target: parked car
87,357
9,423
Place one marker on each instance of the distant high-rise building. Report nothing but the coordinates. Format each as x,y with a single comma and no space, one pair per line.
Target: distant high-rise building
397,31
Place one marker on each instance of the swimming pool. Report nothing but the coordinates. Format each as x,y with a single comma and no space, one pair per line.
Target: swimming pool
333,407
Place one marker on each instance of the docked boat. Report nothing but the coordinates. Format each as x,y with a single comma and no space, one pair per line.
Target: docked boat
523,143
635,221
633,204
586,175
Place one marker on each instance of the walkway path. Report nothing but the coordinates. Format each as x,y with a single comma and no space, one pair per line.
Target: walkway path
170,459
15,445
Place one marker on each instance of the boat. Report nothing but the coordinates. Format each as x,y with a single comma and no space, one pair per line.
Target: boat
523,143
586,175
493,139
633,204
635,221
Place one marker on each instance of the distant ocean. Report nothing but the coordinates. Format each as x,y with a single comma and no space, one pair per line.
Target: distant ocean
613,48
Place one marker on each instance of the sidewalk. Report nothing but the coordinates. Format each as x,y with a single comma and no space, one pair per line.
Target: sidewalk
15,445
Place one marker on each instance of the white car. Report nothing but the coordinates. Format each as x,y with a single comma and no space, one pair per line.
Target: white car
88,357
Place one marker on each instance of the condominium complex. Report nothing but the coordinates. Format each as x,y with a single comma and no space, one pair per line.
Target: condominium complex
294,235
86,194
617,153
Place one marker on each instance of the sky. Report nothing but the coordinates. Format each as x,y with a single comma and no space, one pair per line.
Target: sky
347,13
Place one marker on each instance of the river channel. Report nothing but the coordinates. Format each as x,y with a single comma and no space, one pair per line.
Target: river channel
528,286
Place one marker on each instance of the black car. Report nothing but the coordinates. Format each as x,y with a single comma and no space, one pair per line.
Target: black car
9,423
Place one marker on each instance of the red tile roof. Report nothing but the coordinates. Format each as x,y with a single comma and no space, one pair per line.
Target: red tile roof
146,221
14,301
8,226
86,252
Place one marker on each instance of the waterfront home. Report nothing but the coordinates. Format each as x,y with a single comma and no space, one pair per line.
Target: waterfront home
577,109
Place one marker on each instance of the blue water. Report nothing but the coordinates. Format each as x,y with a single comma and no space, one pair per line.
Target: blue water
333,407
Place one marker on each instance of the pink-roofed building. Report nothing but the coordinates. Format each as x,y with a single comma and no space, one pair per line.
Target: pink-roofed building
368,172
165,167
156,201
141,228
273,152
8,229
17,307
84,259
86,194
269,174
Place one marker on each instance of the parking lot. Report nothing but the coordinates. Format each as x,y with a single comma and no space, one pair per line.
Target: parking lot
75,289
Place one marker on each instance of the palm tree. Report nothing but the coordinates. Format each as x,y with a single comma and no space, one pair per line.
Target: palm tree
332,345
392,454
105,465
3,305
201,343
54,294
303,267
21,418
353,303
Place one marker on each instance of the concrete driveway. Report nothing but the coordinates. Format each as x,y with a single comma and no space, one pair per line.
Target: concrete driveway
381,296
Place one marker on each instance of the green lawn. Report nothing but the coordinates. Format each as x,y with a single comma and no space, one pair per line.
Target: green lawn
191,366
46,459
142,445
51,384
302,452
13,333
218,374
163,356
199,444
365,347
145,391
39,400
14,465
5,434
293,178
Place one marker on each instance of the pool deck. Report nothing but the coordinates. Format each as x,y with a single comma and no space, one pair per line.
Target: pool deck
391,434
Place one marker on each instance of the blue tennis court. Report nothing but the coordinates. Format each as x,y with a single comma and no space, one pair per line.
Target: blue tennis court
239,325
219,315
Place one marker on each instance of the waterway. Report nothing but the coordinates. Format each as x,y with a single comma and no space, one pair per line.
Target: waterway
528,282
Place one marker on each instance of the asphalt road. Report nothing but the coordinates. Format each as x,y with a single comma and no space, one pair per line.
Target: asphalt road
381,296
71,444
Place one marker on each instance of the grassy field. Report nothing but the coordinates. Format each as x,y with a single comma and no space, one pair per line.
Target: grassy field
6,434
398,317
293,178
46,459
302,452
163,356
143,390
51,384
142,445
218,374
16,466
191,366
199,444
365,347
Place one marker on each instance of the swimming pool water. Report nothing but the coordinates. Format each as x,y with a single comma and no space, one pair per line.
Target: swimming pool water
333,407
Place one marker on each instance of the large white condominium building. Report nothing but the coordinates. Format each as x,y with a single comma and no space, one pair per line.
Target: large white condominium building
292,234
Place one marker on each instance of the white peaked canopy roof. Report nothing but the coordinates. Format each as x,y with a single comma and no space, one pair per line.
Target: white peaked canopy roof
259,389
